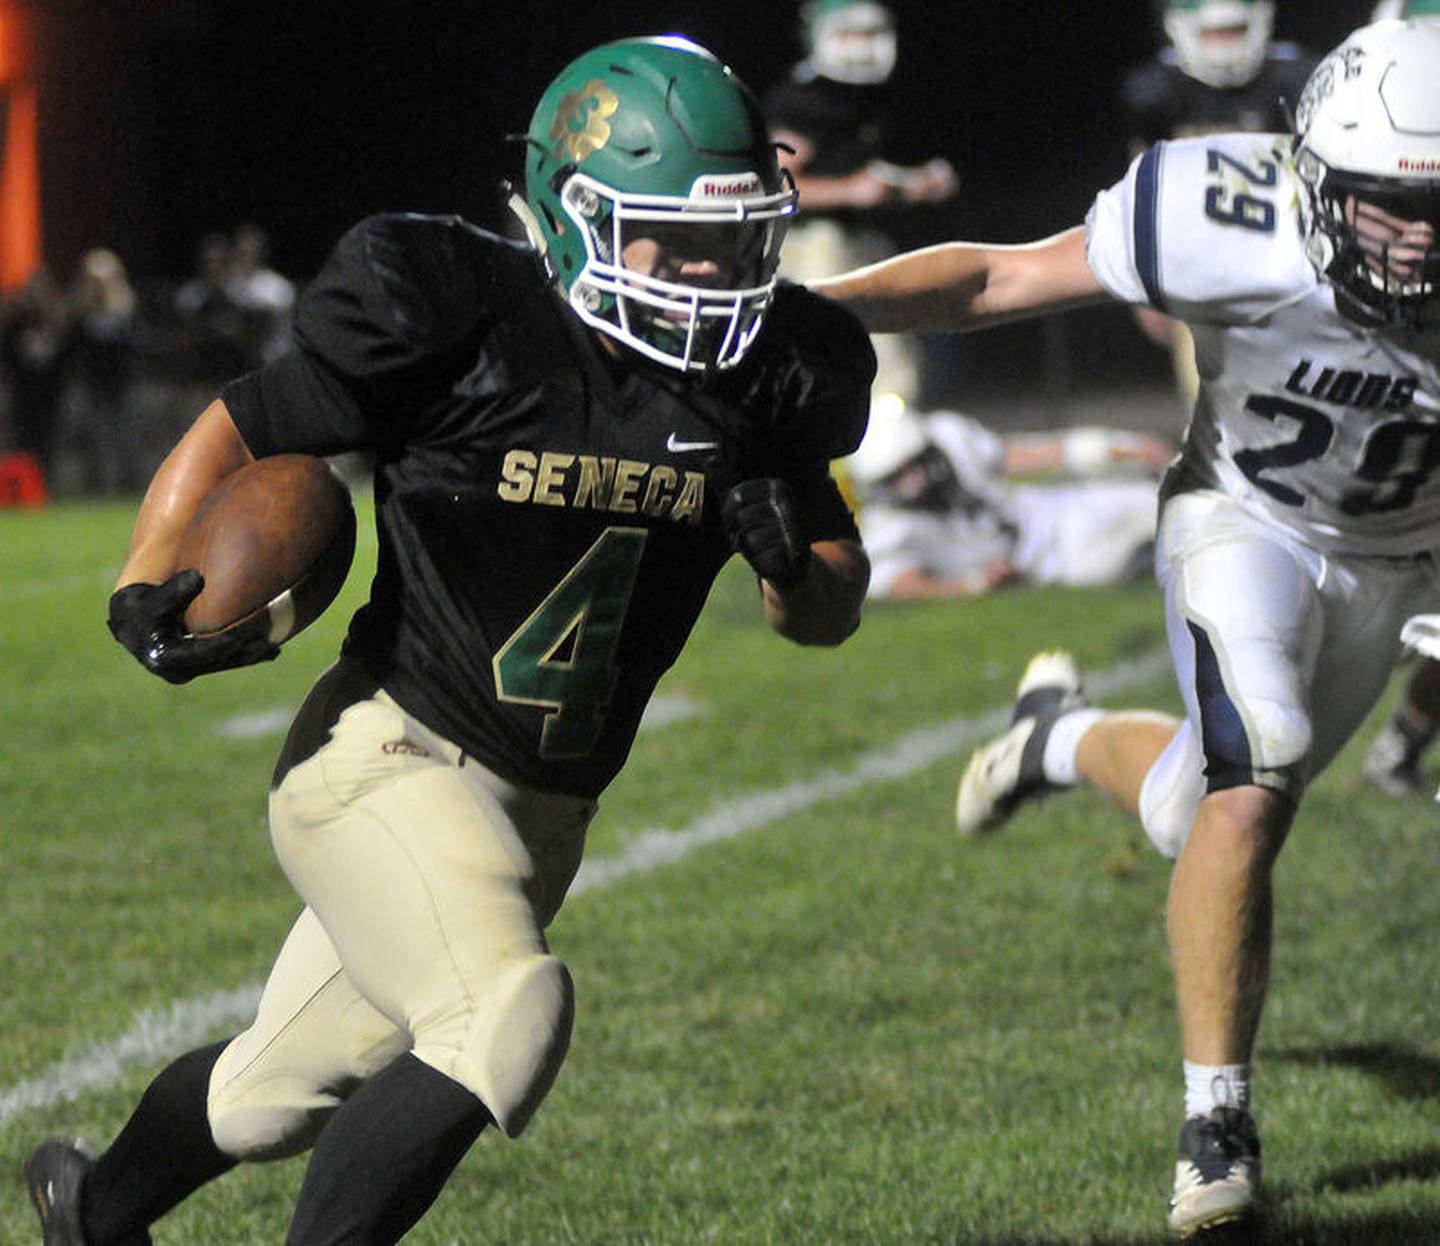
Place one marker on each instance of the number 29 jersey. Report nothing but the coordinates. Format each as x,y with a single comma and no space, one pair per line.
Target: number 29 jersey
1311,420
549,523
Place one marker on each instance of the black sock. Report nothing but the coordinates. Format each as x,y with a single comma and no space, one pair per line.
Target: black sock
384,1157
1416,729
165,1153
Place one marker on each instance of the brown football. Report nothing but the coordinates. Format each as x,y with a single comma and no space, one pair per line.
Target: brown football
274,542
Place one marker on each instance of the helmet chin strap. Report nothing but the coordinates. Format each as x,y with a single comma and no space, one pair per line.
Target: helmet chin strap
531,225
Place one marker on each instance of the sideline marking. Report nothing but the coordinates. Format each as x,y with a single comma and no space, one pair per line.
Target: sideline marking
158,1034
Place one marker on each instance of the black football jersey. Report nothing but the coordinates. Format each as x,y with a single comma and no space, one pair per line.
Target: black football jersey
1164,102
549,523
844,121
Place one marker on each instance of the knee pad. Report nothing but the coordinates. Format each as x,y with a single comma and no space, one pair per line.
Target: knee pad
1171,793
516,1042
1281,739
258,1132
263,1119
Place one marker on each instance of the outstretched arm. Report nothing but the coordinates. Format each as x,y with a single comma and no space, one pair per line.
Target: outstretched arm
963,285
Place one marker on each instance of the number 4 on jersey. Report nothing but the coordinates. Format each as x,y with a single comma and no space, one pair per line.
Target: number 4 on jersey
563,655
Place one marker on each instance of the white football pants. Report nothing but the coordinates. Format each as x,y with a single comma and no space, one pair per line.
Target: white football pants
1280,652
428,882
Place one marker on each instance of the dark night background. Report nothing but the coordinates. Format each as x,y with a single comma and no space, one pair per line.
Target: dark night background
162,119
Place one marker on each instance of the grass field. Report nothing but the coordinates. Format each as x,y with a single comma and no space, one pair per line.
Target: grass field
824,1021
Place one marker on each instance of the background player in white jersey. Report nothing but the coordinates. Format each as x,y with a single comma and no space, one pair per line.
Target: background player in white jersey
942,516
1297,527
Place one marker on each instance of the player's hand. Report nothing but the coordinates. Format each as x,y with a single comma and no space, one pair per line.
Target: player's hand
934,182
761,523
148,619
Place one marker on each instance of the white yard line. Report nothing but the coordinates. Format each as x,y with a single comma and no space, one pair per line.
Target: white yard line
662,711
255,726
157,1034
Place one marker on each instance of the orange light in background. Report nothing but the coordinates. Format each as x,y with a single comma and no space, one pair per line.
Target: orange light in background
14,43
20,248
20,244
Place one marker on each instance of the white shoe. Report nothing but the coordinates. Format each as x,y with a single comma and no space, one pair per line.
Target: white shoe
1217,1174
1009,770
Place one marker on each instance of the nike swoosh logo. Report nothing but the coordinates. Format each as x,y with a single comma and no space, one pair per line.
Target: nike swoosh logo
676,446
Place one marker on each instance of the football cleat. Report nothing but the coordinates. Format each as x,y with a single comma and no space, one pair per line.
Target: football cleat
1217,1173
54,1174
1393,764
1009,770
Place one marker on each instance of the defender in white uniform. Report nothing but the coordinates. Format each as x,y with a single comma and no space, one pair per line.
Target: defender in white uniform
1297,531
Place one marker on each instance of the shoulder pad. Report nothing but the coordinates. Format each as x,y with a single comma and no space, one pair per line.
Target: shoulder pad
1204,228
400,289
812,365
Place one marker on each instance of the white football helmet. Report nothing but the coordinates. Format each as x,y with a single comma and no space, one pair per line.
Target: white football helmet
851,41
1221,43
1368,132
894,437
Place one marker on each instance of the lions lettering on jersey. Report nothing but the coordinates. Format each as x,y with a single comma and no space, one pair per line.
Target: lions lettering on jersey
1312,421
601,483
1366,391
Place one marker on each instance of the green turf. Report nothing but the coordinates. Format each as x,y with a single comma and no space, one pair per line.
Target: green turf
845,1026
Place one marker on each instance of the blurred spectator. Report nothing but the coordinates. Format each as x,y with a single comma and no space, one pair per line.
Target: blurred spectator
1220,72
99,364
32,357
266,298
831,111
215,334
941,515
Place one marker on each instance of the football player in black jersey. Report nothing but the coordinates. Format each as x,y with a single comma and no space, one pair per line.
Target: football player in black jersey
830,116
571,438
1220,72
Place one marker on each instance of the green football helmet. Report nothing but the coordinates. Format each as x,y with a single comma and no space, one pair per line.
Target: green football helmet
1193,27
852,41
656,139
1418,10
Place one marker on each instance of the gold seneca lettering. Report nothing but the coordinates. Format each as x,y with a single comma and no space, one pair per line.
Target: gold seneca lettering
517,476
550,479
627,484
691,503
596,477
658,490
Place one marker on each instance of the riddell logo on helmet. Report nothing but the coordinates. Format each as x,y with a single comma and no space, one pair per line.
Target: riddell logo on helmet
1406,165
725,186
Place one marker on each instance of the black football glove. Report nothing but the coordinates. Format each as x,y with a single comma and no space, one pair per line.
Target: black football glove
148,619
761,522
